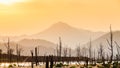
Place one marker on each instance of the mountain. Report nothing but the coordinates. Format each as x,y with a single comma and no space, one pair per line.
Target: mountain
103,41
45,47
71,36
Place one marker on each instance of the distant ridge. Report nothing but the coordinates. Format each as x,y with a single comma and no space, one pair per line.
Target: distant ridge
70,35
45,47
103,41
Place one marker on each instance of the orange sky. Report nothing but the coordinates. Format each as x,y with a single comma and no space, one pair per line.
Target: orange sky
32,16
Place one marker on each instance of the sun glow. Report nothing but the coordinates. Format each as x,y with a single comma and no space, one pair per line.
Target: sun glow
9,2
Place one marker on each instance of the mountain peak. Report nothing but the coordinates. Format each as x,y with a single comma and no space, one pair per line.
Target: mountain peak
61,24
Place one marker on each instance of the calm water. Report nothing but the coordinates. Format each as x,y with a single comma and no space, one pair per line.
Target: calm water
29,64
20,64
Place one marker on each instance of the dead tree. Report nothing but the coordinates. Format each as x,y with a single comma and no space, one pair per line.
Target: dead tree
0,55
78,51
94,59
32,62
60,47
108,57
51,61
54,52
98,55
11,53
90,50
117,47
78,54
47,62
87,62
69,55
36,56
111,45
69,52
57,50
18,52
101,51
8,50
118,53
65,51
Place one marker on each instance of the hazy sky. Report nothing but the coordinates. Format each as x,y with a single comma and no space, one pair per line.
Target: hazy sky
32,16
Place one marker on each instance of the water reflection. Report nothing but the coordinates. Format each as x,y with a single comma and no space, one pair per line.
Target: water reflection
15,64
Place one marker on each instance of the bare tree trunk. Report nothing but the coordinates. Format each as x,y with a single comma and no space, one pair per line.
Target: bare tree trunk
69,62
111,45
8,51
78,54
94,57
17,54
57,50
78,51
60,48
60,44
51,61
65,52
32,59
90,50
0,55
47,62
102,54
36,56
69,52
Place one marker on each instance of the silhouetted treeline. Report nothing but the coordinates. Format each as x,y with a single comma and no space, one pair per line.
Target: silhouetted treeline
4,58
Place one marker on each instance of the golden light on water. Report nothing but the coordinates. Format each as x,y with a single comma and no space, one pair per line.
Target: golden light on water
21,64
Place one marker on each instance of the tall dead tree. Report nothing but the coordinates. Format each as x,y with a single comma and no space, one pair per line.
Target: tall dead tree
65,51
94,57
101,51
47,62
36,56
78,54
32,62
69,52
8,50
111,45
57,48
51,61
54,52
60,47
78,51
0,55
8,47
18,52
11,53
98,55
90,49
